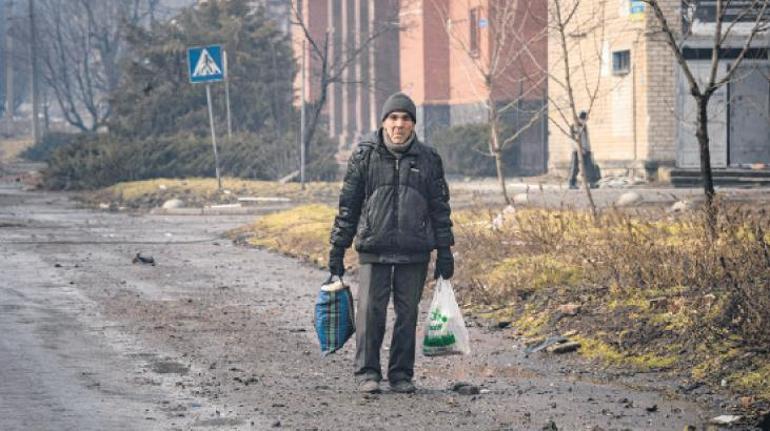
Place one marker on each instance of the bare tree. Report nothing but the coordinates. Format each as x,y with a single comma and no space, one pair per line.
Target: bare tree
15,57
502,67
332,67
84,42
579,70
728,16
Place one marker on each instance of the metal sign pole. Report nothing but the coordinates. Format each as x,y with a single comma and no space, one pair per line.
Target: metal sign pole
213,136
227,97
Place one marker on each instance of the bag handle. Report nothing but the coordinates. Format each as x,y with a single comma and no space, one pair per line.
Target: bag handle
330,280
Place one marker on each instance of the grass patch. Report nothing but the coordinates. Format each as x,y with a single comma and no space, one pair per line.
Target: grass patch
756,381
301,232
531,322
532,273
597,349
11,148
197,192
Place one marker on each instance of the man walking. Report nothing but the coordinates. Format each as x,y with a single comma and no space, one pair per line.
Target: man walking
395,201
581,142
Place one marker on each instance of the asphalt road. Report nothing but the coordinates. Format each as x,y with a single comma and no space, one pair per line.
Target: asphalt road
220,337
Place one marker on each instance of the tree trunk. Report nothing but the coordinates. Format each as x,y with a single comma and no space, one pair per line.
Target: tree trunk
705,160
584,174
495,149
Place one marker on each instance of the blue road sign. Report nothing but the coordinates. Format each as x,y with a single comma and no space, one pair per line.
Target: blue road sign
205,64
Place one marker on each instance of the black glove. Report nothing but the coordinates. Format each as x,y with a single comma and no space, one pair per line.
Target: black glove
445,263
337,261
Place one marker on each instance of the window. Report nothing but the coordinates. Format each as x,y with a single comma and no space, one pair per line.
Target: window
473,31
621,62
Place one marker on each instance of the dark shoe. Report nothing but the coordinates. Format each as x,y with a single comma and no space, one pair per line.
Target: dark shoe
369,387
573,187
403,387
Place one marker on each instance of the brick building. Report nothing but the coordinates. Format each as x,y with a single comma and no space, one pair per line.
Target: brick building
432,52
347,28
642,119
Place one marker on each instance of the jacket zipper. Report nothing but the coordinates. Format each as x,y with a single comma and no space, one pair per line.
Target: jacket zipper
395,197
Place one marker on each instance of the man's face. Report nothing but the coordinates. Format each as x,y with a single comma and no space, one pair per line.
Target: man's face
398,126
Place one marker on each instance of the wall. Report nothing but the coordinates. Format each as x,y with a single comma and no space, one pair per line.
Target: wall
632,121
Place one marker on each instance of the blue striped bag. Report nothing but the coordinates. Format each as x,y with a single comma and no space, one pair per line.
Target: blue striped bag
334,316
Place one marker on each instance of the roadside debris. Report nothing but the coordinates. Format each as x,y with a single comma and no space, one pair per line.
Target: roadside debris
464,388
507,215
502,324
569,309
521,199
547,342
550,426
557,345
567,347
246,382
725,420
629,198
746,402
173,204
681,206
660,303
145,260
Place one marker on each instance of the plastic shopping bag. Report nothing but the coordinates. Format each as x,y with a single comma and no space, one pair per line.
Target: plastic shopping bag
445,331
334,316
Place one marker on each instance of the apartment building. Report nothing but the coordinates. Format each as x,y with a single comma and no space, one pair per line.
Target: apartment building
642,116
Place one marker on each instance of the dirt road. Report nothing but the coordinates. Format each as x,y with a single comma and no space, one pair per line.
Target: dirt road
220,337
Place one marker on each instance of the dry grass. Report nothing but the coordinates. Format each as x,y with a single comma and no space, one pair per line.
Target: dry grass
11,148
200,191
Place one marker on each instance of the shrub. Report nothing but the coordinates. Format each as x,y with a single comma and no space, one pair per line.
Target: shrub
465,151
43,150
102,160
722,284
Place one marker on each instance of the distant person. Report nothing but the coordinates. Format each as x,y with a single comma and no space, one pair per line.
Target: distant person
395,201
580,139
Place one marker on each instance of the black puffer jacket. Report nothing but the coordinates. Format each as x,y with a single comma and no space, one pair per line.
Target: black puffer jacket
398,209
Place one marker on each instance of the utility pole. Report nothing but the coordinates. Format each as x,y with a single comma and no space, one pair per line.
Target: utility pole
35,86
9,96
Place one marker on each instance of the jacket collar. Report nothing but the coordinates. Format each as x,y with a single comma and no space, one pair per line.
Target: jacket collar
376,138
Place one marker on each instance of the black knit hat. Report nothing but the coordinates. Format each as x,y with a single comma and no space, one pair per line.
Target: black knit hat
399,102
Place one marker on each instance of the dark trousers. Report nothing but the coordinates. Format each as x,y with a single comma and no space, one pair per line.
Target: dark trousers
588,161
376,283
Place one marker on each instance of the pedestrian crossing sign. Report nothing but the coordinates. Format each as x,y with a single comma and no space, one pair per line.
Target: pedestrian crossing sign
205,64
